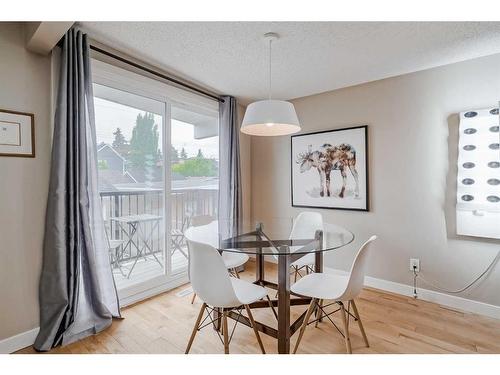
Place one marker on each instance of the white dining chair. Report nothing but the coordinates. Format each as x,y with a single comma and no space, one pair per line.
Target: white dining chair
232,260
304,227
340,289
218,290
199,220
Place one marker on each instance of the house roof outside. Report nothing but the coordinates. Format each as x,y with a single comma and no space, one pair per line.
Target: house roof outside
120,177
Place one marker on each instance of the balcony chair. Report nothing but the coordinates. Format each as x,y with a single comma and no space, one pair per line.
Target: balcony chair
340,289
219,291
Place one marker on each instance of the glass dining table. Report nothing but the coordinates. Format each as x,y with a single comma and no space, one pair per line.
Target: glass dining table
273,238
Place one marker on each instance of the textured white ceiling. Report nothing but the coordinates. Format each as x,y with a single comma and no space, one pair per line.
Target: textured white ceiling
309,58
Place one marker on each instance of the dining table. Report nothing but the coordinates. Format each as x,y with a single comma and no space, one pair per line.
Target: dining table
271,239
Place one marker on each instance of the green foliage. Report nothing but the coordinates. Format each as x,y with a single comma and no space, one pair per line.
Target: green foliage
196,167
144,141
120,144
184,154
200,154
102,164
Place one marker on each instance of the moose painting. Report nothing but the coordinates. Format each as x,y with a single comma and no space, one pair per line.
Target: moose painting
329,169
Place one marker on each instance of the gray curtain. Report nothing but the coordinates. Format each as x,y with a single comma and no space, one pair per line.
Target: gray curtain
77,292
230,198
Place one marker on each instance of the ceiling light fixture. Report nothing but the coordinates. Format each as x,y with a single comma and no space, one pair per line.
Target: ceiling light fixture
270,117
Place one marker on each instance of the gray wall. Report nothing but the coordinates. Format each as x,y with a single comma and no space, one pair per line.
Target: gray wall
25,86
413,148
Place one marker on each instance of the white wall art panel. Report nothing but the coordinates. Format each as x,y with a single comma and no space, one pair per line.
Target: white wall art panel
478,177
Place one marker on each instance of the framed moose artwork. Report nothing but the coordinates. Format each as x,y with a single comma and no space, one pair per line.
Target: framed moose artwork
330,169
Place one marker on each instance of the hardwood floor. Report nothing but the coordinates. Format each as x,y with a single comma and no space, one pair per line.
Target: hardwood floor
393,323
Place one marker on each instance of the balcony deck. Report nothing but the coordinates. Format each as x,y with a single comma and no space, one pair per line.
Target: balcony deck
146,269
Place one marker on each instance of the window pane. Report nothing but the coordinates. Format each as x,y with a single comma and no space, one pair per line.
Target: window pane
194,172
130,171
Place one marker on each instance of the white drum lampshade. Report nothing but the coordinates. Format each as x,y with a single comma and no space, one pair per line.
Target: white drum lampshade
270,118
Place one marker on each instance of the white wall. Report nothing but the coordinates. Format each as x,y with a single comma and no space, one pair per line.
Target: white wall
413,134
24,86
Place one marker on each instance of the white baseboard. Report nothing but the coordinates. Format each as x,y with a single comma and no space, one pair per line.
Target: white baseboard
443,299
17,342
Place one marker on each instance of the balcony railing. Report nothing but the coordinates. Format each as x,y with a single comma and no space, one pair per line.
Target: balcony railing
183,204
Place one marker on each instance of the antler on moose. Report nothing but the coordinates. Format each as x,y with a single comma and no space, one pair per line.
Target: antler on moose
302,156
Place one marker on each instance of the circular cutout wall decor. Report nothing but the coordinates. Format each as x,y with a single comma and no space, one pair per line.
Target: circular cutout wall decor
494,146
471,131
494,111
468,181
469,147
470,114
493,199
494,129
469,165
493,181
494,164
467,197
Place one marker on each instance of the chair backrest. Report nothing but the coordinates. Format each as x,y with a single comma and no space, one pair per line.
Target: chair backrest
306,224
197,221
209,277
358,270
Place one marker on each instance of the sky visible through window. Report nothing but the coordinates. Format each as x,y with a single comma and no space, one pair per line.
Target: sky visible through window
110,116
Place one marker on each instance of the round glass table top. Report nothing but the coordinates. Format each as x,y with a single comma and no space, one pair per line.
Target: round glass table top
275,236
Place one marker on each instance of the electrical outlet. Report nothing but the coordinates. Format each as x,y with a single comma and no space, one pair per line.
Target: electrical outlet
414,264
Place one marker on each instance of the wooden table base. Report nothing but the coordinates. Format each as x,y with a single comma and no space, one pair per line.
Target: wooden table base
283,302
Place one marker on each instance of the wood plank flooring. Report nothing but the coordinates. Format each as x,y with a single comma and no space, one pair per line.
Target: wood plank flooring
394,324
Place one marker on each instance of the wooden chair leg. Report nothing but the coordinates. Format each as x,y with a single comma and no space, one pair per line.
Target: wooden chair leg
296,271
250,316
225,332
194,297
356,314
304,324
196,325
236,273
320,313
343,314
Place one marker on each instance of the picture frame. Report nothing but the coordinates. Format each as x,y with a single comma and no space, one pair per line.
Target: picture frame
17,134
329,169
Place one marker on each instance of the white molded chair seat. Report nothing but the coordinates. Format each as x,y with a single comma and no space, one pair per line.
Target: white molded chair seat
247,292
321,286
340,289
306,260
234,260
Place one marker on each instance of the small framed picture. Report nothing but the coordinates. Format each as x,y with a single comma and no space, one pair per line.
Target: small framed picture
330,169
17,134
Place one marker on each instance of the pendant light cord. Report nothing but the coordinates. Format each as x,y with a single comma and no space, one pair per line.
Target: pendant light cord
270,76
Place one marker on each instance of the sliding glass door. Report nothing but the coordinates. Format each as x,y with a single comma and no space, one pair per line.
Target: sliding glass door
157,159
194,173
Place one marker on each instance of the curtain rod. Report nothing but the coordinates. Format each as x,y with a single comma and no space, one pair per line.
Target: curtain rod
155,73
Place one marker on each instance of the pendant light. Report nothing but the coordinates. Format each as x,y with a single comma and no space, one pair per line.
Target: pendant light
270,117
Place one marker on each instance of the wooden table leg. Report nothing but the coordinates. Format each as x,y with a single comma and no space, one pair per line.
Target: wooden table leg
283,302
259,274
318,267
